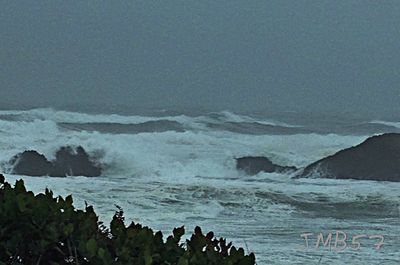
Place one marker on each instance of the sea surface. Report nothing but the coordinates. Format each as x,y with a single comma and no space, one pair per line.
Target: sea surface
168,169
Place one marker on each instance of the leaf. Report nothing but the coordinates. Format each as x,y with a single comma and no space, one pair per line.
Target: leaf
183,261
101,253
178,233
69,200
20,186
68,229
21,202
91,247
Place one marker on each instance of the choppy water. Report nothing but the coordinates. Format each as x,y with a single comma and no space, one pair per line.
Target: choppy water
168,171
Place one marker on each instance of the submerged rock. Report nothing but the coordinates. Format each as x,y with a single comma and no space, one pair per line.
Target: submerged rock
253,165
377,158
69,162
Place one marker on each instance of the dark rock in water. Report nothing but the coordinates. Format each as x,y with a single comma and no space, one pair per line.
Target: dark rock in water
253,165
69,162
74,163
377,158
31,163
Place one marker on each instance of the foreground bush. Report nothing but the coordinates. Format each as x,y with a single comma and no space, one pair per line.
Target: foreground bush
43,229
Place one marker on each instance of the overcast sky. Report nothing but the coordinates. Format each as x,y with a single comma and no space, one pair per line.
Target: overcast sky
319,56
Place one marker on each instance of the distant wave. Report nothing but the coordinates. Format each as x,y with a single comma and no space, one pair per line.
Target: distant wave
120,128
227,116
61,116
387,123
115,123
256,128
363,128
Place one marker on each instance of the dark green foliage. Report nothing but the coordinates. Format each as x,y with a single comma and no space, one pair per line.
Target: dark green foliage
43,229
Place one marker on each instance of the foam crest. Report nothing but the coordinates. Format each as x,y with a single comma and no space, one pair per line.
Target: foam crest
388,123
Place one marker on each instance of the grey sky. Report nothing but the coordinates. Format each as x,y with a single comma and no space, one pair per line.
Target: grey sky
241,55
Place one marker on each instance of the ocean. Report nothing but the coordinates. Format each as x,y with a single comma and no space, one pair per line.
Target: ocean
168,169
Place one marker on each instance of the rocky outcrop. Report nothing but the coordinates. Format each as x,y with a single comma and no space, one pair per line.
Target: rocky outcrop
253,165
69,161
31,163
377,158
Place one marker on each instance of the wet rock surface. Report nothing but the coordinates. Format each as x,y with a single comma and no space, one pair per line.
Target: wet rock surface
69,161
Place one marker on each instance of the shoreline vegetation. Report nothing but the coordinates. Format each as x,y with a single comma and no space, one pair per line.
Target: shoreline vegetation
44,229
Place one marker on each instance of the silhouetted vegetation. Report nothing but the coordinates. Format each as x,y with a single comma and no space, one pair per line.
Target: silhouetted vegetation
43,229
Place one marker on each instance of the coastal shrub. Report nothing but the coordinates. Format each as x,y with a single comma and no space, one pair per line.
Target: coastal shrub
44,229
